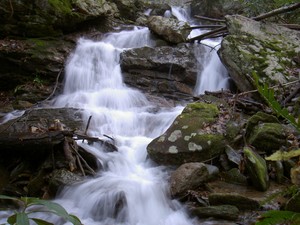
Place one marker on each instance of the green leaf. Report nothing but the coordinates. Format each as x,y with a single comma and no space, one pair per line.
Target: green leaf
55,209
12,219
8,198
274,217
281,155
22,219
41,222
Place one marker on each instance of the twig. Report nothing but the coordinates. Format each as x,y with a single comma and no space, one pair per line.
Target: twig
79,164
83,160
12,9
291,96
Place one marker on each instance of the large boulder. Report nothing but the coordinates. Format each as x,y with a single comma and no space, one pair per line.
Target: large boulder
167,71
260,49
170,29
196,135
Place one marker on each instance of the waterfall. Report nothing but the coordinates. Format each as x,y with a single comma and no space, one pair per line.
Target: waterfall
214,76
128,190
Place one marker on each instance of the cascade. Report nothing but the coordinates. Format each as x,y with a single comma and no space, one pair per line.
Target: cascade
129,189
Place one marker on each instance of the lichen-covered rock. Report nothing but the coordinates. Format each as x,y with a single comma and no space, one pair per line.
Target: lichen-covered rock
190,176
260,48
194,136
257,169
170,29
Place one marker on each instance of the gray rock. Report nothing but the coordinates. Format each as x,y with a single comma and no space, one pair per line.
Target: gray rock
260,48
169,29
162,70
190,176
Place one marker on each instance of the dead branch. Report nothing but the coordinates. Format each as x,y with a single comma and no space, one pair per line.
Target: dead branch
209,19
204,27
87,127
278,11
203,36
223,30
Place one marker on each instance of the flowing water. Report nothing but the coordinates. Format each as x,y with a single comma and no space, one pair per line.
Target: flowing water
130,189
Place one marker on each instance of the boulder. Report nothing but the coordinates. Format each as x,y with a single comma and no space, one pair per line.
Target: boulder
196,135
169,29
264,132
165,71
257,169
189,176
260,49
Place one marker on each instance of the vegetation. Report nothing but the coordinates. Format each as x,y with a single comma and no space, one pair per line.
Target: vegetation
23,215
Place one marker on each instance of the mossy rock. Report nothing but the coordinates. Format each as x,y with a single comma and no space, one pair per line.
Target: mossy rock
193,137
257,169
268,137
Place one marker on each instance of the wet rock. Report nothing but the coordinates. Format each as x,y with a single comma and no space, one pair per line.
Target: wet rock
190,176
235,176
257,169
260,48
194,136
169,29
239,201
227,212
62,177
167,71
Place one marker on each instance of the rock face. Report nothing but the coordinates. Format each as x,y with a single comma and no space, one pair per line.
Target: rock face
168,71
48,17
169,29
216,8
194,136
262,49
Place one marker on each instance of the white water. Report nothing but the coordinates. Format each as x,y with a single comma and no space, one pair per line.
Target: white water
214,77
129,190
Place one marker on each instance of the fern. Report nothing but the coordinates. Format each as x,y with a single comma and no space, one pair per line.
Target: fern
268,94
274,217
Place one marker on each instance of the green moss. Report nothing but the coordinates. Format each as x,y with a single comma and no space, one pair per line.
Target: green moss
63,6
202,109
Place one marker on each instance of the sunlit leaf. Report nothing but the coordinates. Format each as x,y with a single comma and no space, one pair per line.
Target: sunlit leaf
282,155
22,219
55,209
